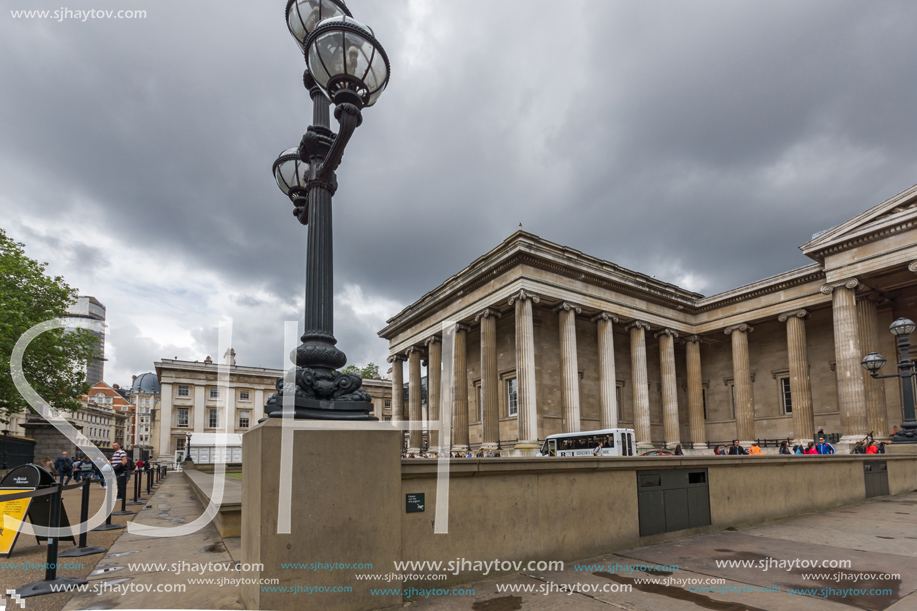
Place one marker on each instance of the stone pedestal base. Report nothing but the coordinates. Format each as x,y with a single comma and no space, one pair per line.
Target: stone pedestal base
700,446
526,449
345,484
901,448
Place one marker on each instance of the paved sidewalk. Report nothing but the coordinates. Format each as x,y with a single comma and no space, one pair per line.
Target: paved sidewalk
136,562
877,537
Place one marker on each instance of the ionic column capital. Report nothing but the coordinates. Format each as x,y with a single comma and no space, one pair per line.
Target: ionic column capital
522,295
850,283
744,327
568,307
912,266
410,351
870,296
637,324
794,314
693,339
396,358
670,332
485,313
463,327
608,316
435,339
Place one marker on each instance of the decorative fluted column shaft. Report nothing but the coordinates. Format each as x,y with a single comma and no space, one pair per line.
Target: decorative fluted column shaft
397,361
525,373
696,426
415,436
741,372
569,367
642,430
607,381
489,381
800,384
670,422
851,392
868,321
434,379
460,389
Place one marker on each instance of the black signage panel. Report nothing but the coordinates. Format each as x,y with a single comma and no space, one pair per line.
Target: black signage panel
415,502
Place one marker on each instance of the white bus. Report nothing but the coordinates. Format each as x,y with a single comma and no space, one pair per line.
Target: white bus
614,442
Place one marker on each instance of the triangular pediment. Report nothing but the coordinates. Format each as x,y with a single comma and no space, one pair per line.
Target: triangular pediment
893,213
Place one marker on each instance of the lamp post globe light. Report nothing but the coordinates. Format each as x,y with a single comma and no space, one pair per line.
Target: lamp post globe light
872,362
346,66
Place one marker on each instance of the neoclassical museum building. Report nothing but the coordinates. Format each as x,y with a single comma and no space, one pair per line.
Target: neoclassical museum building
548,339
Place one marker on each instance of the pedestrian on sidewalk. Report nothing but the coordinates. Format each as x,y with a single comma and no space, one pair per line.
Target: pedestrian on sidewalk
64,466
823,447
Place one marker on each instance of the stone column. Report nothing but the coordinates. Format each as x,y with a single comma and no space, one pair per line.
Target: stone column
741,372
868,322
851,392
434,379
397,361
607,382
460,390
638,330
525,373
697,427
569,369
489,382
669,386
415,436
800,385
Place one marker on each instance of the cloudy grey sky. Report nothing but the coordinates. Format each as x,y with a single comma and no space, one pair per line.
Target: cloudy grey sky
701,142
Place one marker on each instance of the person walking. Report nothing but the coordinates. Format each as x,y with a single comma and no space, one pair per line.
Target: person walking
48,465
64,466
823,447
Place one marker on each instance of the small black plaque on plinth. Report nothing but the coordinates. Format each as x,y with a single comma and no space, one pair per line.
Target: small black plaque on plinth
415,502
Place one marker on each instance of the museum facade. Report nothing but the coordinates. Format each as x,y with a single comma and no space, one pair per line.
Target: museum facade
544,339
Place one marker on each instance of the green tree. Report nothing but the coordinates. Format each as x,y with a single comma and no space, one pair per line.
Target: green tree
54,361
368,372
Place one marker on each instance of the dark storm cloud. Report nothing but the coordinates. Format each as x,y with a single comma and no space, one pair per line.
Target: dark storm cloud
702,140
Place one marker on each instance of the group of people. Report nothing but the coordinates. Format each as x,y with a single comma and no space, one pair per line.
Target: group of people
469,454
120,464
822,447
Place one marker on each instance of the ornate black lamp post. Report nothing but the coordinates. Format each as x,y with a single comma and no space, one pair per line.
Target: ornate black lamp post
874,361
3,461
346,65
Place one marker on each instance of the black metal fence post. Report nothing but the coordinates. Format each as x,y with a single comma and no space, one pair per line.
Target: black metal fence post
82,549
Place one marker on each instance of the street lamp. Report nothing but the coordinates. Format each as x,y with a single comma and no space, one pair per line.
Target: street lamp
874,361
346,65
3,465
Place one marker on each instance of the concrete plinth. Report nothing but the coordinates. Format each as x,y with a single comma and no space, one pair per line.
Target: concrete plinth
345,494
901,448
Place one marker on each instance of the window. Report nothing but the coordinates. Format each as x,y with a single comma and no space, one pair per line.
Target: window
244,417
785,395
703,394
180,444
183,416
214,392
732,391
245,395
214,418
184,391
480,404
388,404
512,397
